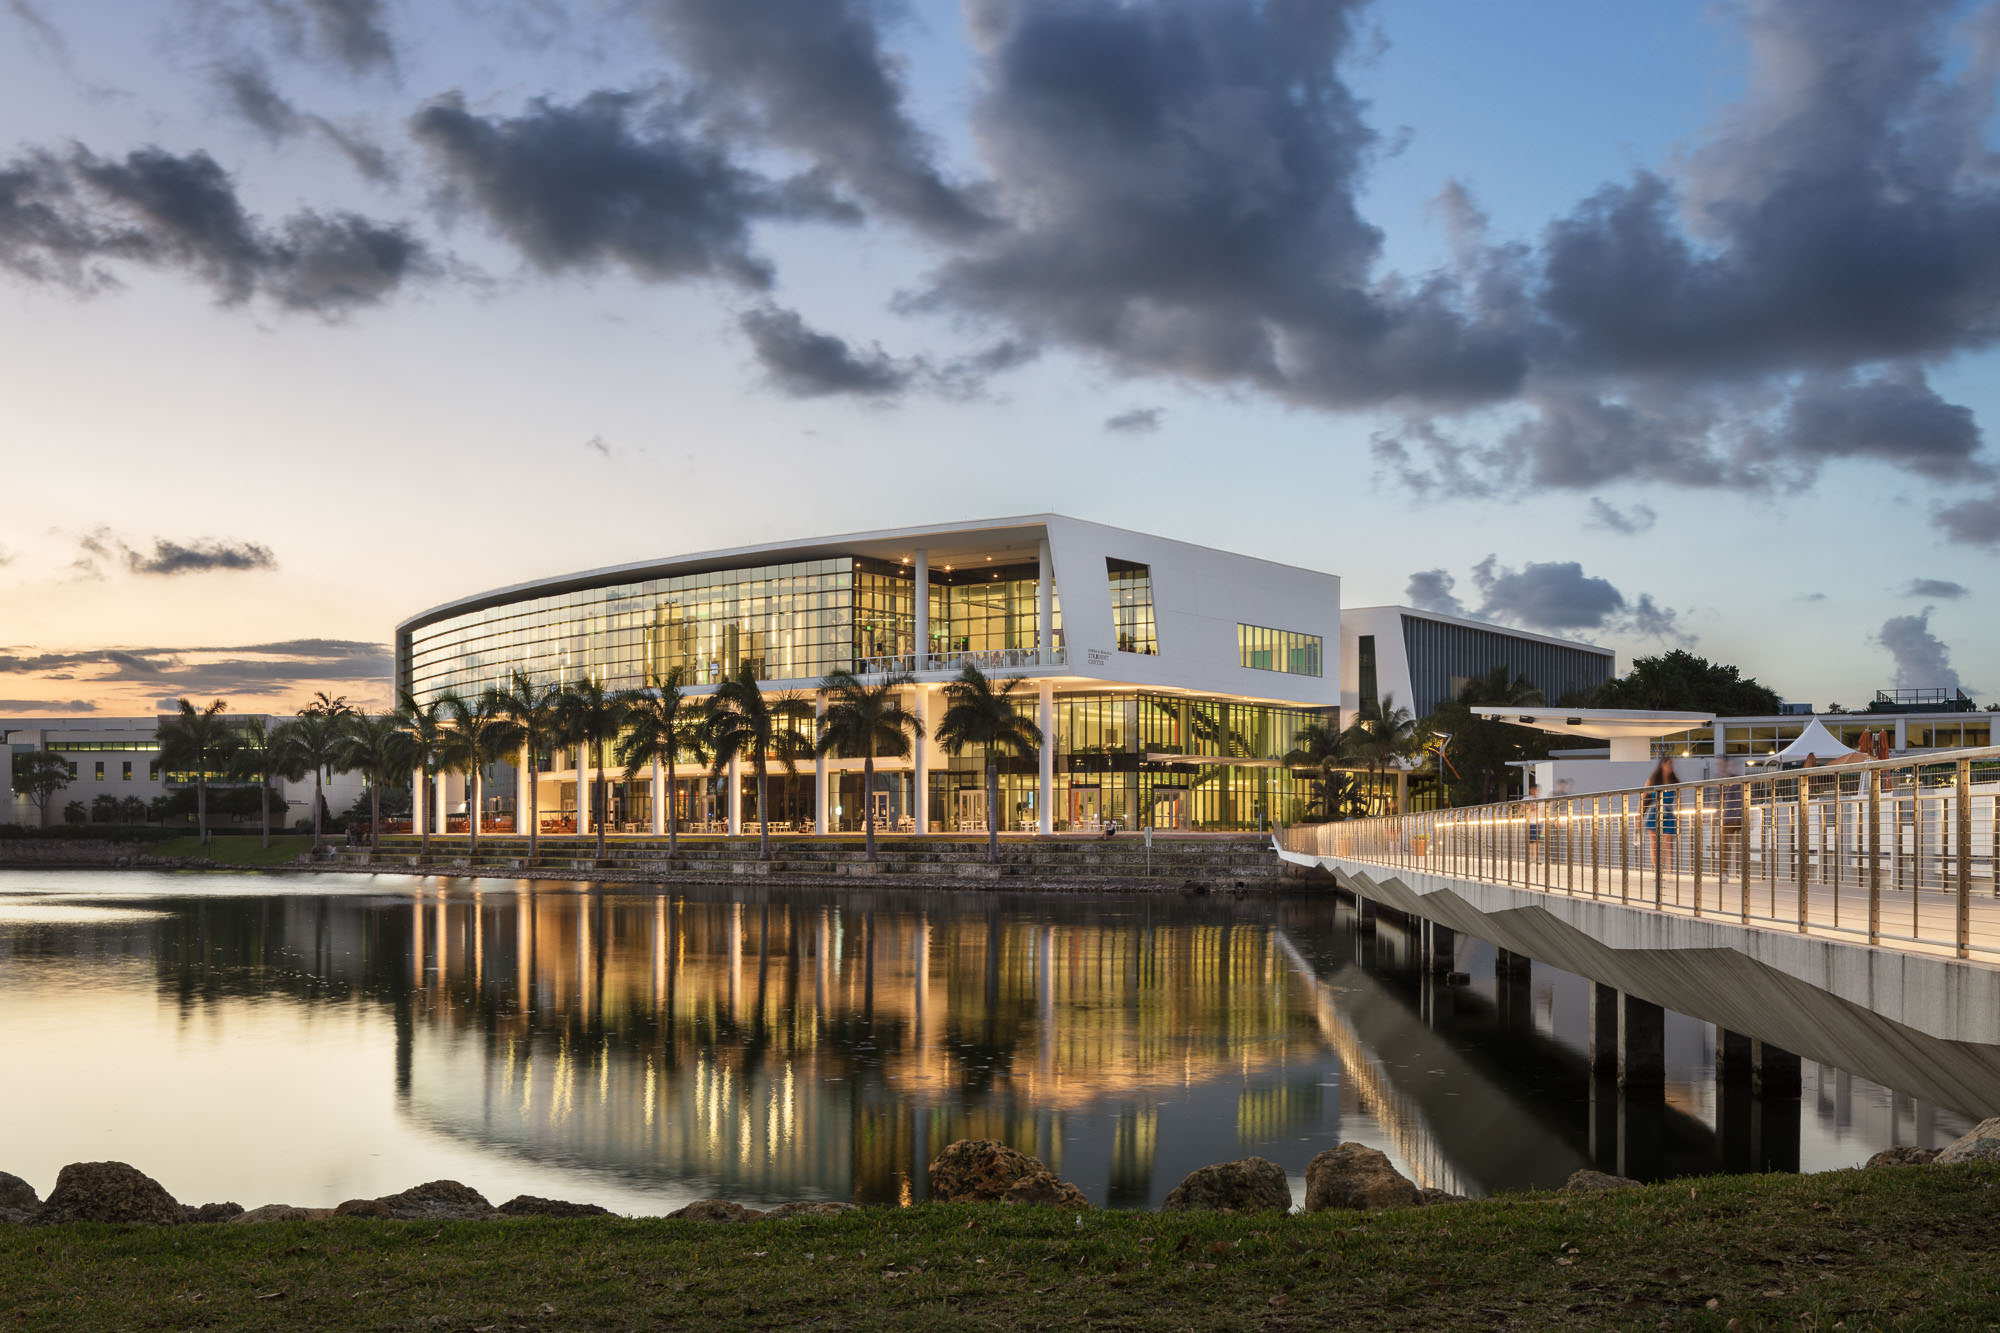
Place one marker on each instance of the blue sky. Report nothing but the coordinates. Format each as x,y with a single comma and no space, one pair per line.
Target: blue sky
492,289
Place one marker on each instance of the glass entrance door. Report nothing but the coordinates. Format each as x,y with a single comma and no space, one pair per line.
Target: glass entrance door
970,809
1086,809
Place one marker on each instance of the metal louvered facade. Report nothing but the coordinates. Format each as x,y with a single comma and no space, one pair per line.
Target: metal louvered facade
1443,656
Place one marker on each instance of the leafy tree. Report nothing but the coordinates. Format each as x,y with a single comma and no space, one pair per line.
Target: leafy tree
200,742
104,809
76,814
132,810
424,725
976,714
1383,735
39,775
535,708
1679,681
744,723
1475,763
867,720
1324,748
312,743
1335,796
664,727
593,716
375,746
480,733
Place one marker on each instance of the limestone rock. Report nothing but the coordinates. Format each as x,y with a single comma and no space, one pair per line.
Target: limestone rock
1981,1145
212,1212
809,1208
108,1192
437,1201
1596,1182
1250,1185
363,1208
978,1171
284,1212
1430,1196
1903,1157
716,1210
527,1205
1045,1189
17,1193
1353,1175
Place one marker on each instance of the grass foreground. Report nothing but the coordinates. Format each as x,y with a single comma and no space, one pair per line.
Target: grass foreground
238,849
1907,1247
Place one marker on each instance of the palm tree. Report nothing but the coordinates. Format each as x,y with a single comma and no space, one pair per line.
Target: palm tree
1382,735
665,727
197,741
867,720
479,733
312,743
536,712
1324,747
1497,687
376,746
743,723
592,716
424,726
977,714
254,759
1336,796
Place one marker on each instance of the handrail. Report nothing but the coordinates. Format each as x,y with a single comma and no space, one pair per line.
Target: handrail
1901,852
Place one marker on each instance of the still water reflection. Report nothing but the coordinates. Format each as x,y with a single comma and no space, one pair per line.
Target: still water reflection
308,1041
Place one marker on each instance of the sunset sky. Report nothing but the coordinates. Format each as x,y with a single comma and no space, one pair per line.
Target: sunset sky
1655,325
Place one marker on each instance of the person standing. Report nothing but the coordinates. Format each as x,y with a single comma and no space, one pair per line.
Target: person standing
1660,815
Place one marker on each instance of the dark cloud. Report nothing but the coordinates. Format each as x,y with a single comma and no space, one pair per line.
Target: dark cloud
249,93
262,668
1430,590
1177,183
1137,421
207,555
1629,522
1895,417
1936,589
615,179
1922,659
1557,597
70,220
1974,522
822,83
807,363
20,708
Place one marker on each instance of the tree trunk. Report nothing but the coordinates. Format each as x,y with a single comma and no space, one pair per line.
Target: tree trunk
763,814
673,821
868,802
317,803
374,820
429,816
534,805
992,811
264,805
603,806
201,808
472,804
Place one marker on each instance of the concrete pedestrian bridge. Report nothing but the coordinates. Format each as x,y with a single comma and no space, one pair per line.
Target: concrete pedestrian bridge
1849,914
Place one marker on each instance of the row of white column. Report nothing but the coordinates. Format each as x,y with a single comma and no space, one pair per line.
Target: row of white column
450,787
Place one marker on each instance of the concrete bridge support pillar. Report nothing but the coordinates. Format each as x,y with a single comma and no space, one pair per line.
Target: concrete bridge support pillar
1440,948
1628,1039
1513,976
1757,1104
1365,915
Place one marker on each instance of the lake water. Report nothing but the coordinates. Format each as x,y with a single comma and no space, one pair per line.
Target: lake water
317,1038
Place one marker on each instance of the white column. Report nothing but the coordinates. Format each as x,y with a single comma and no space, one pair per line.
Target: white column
659,798
419,817
441,784
819,765
735,796
1902,737
1044,604
524,782
923,606
582,788
1045,806
921,749
475,800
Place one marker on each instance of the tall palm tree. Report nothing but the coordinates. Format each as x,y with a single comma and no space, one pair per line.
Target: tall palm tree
664,728
198,741
376,746
424,725
868,720
254,759
1382,735
977,714
593,716
744,724
1324,747
535,707
312,743
478,732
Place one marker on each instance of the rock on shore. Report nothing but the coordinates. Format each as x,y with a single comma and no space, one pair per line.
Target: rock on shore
1353,1175
108,1192
1249,1185
1981,1145
987,1171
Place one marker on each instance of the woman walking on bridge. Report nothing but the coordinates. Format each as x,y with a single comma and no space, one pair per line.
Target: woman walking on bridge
1659,807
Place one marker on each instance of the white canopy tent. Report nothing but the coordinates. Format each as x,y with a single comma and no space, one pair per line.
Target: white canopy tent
1816,741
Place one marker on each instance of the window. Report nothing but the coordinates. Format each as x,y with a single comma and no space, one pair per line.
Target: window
1132,607
98,776
152,772
127,774
1265,649
1364,659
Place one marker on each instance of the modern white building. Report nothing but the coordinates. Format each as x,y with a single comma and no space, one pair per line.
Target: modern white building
119,758
1172,678
1422,658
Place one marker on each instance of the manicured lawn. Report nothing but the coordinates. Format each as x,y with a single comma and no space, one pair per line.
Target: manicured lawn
237,850
1903,1248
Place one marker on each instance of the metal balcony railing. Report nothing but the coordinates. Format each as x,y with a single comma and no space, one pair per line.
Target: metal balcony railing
987,660
1901,852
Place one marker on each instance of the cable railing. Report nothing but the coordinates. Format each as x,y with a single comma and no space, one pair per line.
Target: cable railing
1898,852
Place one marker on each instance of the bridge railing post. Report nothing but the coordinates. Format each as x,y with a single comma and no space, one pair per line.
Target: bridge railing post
1625,847
1799,848
1962,847
1874,856
1698,804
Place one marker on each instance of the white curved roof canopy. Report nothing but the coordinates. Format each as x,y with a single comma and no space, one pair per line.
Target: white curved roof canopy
1630,730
